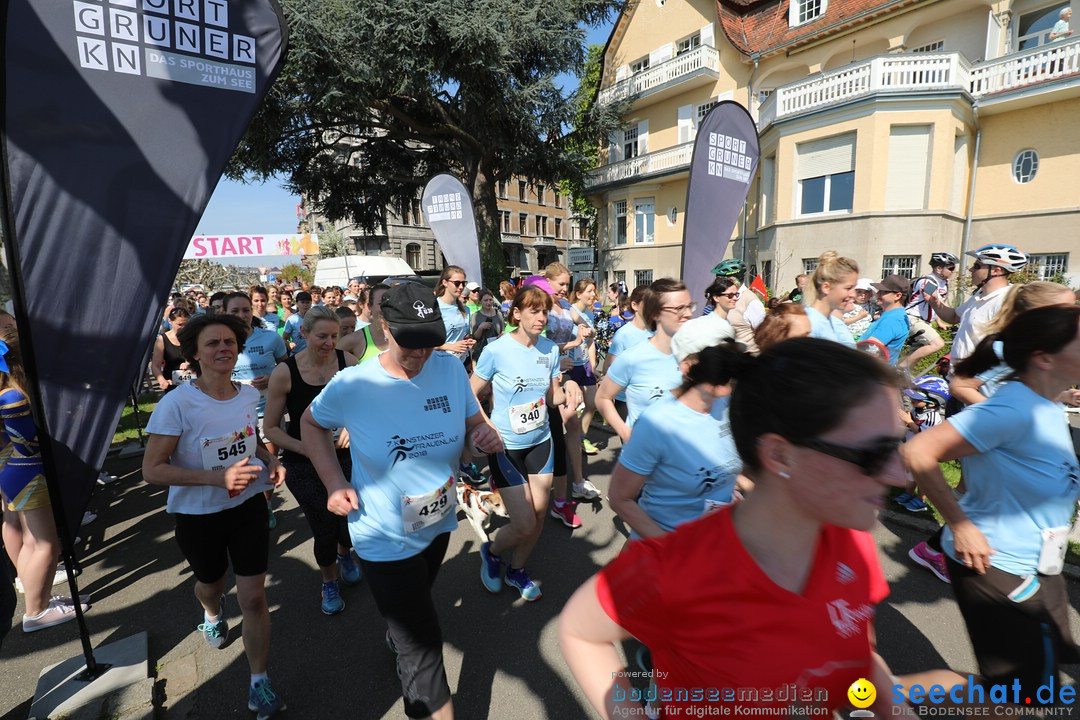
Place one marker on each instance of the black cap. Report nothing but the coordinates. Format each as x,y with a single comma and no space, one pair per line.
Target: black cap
412,313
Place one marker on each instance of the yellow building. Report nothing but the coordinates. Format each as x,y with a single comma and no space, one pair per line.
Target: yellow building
890,129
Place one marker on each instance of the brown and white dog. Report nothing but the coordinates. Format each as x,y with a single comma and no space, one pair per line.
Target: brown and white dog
480,506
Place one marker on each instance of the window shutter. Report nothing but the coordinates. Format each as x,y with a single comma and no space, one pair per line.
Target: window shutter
909,161
660,54
621,73
686,123
643,137
826,157
707,36
614,147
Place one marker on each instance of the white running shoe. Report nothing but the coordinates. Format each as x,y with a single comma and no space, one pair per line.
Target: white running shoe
60,611
584,490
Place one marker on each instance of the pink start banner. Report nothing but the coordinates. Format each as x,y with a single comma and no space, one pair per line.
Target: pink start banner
207,247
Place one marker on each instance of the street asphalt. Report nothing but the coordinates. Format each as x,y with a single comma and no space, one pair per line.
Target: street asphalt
501,653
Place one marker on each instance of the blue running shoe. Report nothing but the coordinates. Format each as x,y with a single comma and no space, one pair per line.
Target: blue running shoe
903,498
471,475
348,570
916,504
332,603
216,633
521,580
490,569
263,700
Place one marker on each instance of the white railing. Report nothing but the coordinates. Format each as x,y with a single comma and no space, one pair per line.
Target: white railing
1027,67
887,73
673,158
702,57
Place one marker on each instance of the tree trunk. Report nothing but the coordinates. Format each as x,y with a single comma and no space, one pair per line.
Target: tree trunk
488,226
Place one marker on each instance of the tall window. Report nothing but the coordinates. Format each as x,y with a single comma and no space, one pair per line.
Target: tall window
1034,28
523,223
905,265
766,272
620,276
1047,267
687,44
826,174
702,111
620,222
502,189
804,11
642,277
541,226
644,221
417,220
809,265
558,200
412,256
639,65
630,143
540,194
505,220
522,191
558,227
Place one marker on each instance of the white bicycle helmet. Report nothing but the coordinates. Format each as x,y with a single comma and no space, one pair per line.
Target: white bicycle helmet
1003,256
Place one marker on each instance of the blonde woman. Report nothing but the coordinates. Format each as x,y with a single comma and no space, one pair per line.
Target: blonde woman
834,281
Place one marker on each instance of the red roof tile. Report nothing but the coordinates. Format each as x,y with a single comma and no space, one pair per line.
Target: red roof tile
761,26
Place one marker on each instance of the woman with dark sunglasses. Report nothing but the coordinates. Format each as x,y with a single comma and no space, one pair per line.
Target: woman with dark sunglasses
780,589
1006,538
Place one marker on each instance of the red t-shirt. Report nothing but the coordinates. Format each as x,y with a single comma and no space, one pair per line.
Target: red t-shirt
719,628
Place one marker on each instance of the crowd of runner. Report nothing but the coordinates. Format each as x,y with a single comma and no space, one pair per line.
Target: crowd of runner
759,440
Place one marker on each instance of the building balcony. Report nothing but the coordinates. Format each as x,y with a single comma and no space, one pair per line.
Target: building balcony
922,73
650,165
699,66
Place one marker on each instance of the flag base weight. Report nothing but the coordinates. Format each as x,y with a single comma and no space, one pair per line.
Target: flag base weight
63,688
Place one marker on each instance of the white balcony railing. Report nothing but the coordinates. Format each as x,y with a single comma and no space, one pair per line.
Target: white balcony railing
654,163
920,73
1028,67
701,58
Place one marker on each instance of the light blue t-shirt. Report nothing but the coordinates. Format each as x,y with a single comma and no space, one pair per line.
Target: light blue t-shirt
891,330
580,354
647,374
406,438
520,377
271,321
625,338
1025,478
829,328
292,329
457,325
261,354
689,458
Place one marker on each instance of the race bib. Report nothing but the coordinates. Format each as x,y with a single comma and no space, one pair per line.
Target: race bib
421,511
1055,543
221,452
527,417
179,377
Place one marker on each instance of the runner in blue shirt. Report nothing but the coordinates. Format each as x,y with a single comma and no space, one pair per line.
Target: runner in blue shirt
522,370
1007,537
409,413
834,281
891,329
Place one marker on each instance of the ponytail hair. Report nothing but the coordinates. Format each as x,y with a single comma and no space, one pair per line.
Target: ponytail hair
715,365
832,269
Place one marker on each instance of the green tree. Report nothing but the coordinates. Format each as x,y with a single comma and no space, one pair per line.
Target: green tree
287,273
378,96
333,244
586,146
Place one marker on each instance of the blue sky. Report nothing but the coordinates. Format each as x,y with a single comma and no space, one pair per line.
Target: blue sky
267,208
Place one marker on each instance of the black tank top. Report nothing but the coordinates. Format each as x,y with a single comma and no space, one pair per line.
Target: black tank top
296,402
173,358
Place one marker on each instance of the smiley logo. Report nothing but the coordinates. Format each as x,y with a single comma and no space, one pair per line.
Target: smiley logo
862,693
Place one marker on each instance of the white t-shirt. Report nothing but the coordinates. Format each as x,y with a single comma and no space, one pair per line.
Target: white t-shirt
207,427
406,438
976,313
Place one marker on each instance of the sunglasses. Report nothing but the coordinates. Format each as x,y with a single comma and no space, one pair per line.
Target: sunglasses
731,295
870,460
457,283
950,267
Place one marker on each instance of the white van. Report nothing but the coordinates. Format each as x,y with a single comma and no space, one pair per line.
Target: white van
338,270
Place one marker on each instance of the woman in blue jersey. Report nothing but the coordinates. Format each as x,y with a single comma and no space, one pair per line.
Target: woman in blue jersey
680,462
409,413
834,281
632,332
584,357
521,369
455,314
1007,537
648,371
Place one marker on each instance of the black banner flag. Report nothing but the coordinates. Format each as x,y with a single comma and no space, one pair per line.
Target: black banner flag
119,117
725,159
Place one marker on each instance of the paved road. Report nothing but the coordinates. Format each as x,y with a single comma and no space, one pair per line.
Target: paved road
502,656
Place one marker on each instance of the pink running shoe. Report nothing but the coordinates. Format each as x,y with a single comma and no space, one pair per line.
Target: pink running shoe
566,514
933,561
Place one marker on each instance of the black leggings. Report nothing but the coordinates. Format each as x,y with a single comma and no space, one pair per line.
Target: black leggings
402,592
558,442
327,529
